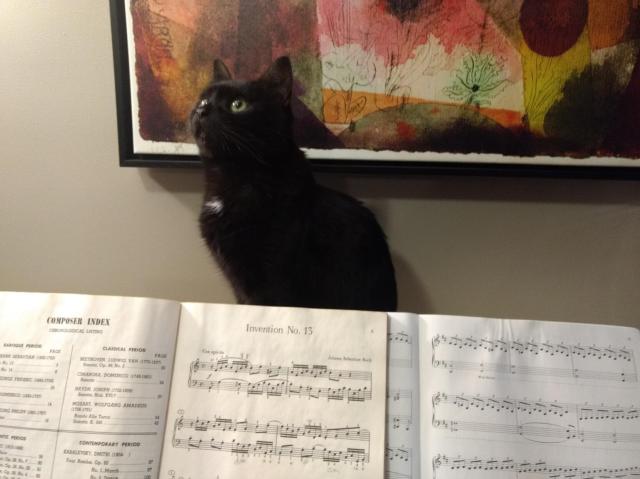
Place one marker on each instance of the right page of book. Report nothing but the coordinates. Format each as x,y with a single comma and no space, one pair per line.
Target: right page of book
528,399
275,393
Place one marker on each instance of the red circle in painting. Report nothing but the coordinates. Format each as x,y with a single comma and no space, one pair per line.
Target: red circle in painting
551,27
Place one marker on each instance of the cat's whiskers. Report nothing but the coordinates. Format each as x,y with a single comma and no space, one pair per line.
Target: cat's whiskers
223,142
238,141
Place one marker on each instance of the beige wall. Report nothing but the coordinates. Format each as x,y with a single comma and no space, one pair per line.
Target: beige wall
71,220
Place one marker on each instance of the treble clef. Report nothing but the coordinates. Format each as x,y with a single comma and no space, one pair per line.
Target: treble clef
179,423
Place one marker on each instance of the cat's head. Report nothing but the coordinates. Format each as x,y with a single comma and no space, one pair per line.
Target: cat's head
244,121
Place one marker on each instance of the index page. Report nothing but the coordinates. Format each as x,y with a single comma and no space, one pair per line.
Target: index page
275,393
514,399
84,383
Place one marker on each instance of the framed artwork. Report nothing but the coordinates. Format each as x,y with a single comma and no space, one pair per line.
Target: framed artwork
543,87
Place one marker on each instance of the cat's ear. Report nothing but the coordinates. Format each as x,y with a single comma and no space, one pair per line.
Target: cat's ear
280,75
220,71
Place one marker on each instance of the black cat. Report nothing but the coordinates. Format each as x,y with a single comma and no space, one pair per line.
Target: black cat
280,238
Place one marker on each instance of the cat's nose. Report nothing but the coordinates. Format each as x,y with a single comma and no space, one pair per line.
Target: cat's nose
203,107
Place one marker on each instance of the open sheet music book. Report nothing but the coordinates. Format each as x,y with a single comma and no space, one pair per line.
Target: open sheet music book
109,387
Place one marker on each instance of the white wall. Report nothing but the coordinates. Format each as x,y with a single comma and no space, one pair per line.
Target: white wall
72,220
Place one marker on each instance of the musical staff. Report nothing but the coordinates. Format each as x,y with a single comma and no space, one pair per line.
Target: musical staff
398,458
530,358
399,409
402,345
402,398
402,422
310,430
538,432
521,347
349,444
584,411
397,454
396,395
537,420
319,381
444,466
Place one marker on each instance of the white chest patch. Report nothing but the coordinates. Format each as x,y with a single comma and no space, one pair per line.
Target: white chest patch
214,205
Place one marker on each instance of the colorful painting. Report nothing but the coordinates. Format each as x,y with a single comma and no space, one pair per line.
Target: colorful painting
512,81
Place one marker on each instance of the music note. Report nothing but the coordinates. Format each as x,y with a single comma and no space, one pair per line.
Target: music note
347,444
400,349
298,380
538,421
453,465
530,358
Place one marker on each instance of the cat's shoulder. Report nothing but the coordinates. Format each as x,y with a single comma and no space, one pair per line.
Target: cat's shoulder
339,208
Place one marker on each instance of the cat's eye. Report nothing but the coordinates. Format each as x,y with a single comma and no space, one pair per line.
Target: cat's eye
238,105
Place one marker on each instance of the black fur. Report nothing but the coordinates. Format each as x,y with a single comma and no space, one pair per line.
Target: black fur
280,238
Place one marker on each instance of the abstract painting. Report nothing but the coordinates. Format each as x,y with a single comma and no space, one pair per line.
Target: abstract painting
535,82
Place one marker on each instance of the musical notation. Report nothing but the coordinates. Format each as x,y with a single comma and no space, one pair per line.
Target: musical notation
522,347
399,337
397,454
402,345
500,356
556,402
396,395
310,430
273,439
399,422
319,381
267,448
499,368
536,420
583,411
402,398
399,409
538,432
448,466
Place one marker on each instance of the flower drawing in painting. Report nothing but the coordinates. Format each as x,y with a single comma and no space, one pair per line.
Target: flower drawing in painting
478,81
348,67
409,57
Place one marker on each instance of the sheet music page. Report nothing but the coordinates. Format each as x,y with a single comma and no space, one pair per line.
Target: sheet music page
277,393
402,455
84,383
525,399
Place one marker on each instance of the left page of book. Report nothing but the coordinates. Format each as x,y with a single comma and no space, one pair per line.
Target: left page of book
277,392
84,383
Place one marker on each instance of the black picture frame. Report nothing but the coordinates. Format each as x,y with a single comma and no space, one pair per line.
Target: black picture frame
129,158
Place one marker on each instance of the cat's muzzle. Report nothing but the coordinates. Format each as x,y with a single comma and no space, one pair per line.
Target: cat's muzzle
203,107
199,112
